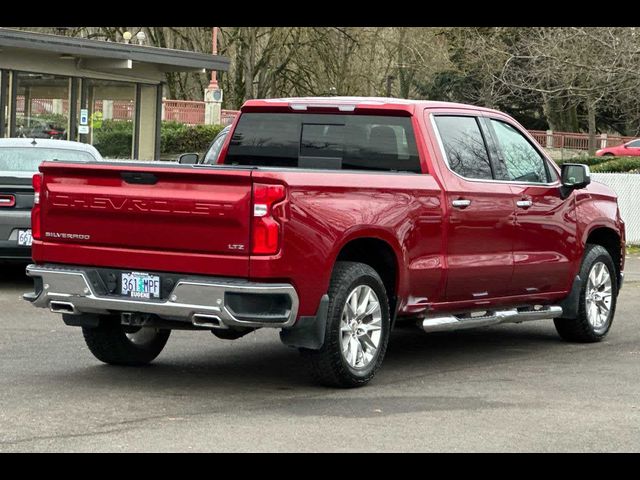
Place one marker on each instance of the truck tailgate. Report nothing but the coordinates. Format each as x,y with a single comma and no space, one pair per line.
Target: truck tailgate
148,208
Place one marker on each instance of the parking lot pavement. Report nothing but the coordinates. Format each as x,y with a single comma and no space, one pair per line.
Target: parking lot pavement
505,388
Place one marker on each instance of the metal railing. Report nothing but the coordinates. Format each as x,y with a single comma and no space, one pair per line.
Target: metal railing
184,111
228,116
576,141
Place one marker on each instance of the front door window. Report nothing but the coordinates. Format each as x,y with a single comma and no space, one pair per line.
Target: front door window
522,161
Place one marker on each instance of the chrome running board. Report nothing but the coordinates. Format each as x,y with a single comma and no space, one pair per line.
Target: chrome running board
485,319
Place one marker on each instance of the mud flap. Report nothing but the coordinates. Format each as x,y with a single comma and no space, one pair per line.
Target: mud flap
570,304
308,332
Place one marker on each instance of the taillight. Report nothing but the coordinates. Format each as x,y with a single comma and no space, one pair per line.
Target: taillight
35,211
7,201
266,228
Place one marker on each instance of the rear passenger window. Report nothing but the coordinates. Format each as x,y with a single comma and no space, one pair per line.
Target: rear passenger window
336,142
464,146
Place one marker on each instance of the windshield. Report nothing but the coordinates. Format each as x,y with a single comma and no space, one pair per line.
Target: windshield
20,159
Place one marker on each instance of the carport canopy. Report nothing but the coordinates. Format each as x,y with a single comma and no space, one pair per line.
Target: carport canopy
81,74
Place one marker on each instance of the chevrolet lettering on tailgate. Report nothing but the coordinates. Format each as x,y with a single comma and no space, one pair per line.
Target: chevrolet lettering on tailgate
140,205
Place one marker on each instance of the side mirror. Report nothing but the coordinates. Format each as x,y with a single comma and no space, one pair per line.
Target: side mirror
188,159
574,177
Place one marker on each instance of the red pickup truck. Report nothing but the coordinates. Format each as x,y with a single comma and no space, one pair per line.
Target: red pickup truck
331,219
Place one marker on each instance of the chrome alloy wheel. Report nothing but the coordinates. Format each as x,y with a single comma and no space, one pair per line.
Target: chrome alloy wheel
360,327
598,296
142,336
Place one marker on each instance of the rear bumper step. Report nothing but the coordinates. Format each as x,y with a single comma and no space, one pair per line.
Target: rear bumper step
201,301
449,323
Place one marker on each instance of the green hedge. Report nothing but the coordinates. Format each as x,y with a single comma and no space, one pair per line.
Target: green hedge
179,138
618,165
114,138
607,164
585,160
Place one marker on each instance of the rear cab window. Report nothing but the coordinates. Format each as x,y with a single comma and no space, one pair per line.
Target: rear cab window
325,141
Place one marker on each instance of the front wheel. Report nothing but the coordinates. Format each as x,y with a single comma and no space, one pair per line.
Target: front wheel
357,329
597,303
118,344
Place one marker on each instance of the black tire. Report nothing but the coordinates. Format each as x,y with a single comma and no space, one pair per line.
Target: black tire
328,365
580,329
608,155
110,344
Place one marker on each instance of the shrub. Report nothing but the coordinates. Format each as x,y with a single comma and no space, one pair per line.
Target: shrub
114,138
607,164
56,119
179,138
115,126
585,160
618,165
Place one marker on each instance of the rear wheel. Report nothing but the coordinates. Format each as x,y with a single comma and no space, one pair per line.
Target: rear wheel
357,330
597,301
118,344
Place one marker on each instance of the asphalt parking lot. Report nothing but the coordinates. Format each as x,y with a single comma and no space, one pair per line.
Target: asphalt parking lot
504,388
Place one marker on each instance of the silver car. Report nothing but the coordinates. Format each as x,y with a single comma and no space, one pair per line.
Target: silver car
19,160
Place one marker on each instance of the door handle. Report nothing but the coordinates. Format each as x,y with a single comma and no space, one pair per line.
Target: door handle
461,203
524,203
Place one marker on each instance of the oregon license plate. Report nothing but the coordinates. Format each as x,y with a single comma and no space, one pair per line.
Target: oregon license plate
24,238
140,285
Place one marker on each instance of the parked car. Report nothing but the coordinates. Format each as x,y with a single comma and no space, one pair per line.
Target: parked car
19,160
213,151
629,149
38,128
332,220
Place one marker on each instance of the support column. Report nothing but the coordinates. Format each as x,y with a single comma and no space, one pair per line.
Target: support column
603,140
57,106
159,117
72,124
26,111
212,106
107,109
91,95
213,93
84,103
137,120
549,139
13,100
4,114
147,129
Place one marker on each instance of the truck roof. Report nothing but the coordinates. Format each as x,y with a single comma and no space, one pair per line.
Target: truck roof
347,104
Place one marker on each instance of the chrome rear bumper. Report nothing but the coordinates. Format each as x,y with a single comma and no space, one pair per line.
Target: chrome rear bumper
202,301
